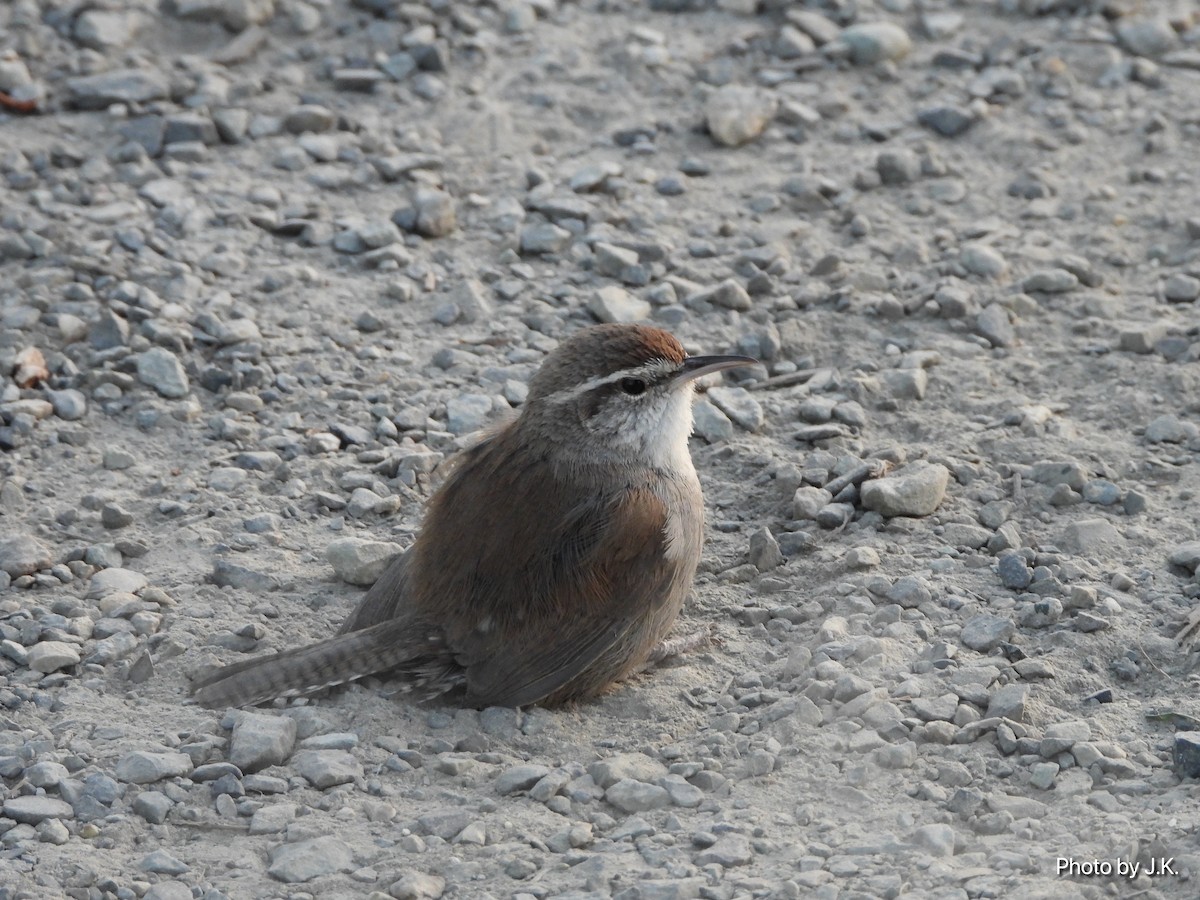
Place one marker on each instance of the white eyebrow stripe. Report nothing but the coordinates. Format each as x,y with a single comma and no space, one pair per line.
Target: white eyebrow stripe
654,369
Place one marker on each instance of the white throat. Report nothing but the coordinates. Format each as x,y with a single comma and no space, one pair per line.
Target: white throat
660,440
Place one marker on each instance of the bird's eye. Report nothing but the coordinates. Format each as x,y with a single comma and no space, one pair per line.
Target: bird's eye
633,386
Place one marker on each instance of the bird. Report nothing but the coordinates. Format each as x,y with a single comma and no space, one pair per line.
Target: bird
552,560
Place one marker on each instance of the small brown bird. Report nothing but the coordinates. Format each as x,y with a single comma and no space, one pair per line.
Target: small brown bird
554,558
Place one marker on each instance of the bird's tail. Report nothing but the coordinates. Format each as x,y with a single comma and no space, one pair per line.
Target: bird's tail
338,660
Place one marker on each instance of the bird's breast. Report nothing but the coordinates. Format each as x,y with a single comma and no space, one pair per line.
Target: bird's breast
684,527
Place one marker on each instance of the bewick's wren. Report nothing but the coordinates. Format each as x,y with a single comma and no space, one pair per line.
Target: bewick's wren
553,559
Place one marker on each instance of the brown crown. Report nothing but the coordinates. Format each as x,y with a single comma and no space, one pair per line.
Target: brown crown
601,350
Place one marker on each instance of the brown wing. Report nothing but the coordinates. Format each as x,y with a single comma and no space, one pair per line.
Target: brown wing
532,612
613,594
385,600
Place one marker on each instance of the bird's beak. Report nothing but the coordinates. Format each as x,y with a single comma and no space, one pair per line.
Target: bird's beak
696,366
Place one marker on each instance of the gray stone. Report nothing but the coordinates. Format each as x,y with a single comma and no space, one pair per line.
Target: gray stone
633,796
309,117
52,831
729,850
1102,492
417,886
33,809
936,840
898,166
1013,571
364,502
862,558
50,656
1092,537
117,86
161,369
520,778
1142,338
189,126
1050,281
1169,429
436,215
764,550
471,301
46,774
356,561
1067,472
115,581
108,331
153,806
168,890
808,501
736,115
681,792
69,404
1008,702
103,29
710,423
445,823
741,407
1186,555
549,786
961,534
1062,736
1149,37
272,819
909,592
612,303
162,863
995,326
936,709
1042,613
306,860
1042,775
983,260
635,766
260,740
227,479
327,768
948,120
835,515
612,261
229,574
986,632
231,123
905,384
544,237
1185,756
14,75
914,490
1180,288
729,294
364,81
146,767
873,42
466,413
24,555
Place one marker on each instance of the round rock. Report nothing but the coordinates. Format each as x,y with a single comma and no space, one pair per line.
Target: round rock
50,656
161,369
915,490
737,115
873,42
24,555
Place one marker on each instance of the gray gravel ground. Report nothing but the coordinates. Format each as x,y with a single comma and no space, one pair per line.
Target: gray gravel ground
264,264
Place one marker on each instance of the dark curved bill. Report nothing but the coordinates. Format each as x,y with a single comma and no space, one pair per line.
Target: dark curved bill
696,366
